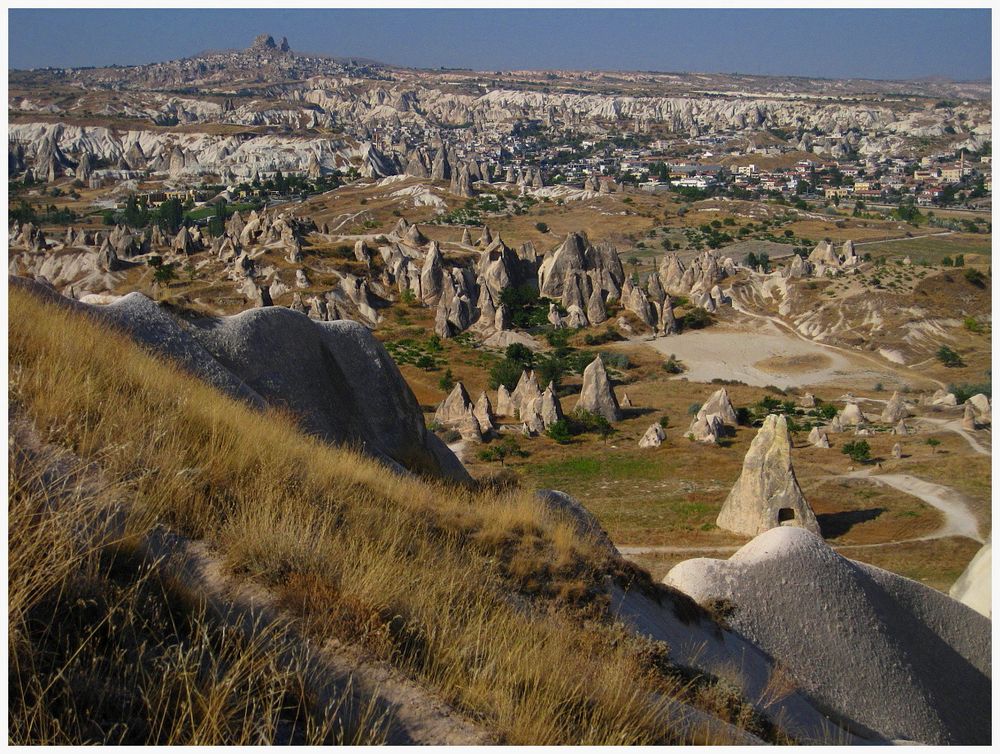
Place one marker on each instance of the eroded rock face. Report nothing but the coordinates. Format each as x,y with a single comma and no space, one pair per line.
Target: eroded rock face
653,437
597,395
452,409
851,415
895,410
888,653
767,494
707,428
981,405
720,404
969,418
818,438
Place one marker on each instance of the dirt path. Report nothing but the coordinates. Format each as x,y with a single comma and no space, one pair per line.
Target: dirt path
903,238
955,425
959,520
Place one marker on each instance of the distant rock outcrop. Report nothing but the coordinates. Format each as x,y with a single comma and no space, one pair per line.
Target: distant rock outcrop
767,493
895,410
597,395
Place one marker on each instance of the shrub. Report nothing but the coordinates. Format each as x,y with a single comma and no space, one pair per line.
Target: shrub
972,325
933,442
664,421
949,358
858,451
673,365
560,432
520,354
975,277
506,448
693,409
425,362
696,319
542,227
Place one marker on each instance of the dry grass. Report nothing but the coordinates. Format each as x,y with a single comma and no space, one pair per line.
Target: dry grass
104,650
484,596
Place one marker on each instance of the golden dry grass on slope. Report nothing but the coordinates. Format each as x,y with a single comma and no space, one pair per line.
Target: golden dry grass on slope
482,595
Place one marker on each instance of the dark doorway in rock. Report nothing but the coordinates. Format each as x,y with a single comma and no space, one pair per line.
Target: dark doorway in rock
785,516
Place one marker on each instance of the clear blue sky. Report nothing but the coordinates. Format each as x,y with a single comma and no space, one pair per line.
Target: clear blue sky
884,44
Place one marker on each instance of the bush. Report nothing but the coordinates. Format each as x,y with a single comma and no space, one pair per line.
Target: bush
425,362
949,358
693,409
975,277
506,448
972,325
673,365
542,227
664,421
520,354
560,432
859,451
696,319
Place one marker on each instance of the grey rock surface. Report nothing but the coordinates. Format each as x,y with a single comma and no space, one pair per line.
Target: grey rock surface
891,654
334,376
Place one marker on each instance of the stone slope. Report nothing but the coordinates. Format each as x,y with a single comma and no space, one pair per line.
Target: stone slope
334,376
882,650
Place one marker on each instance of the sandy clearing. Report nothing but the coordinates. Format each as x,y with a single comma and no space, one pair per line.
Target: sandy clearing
736,354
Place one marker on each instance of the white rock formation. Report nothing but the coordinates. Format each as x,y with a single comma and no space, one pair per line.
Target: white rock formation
767,493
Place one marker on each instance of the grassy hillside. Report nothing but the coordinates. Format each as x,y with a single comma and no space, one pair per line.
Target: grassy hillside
481,594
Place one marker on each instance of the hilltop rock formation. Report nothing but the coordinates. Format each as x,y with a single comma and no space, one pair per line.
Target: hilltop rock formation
879,651
576,254
767,493
335,376
851,415
707,428
597,395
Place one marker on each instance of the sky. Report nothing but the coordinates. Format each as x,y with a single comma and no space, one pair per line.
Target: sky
880,44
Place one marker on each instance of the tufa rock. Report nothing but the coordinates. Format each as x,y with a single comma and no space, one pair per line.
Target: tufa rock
767,494
597,395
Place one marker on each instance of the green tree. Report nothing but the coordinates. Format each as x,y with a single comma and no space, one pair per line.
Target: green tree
447,381
170,215
164,273
933,442
520,354
506,373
